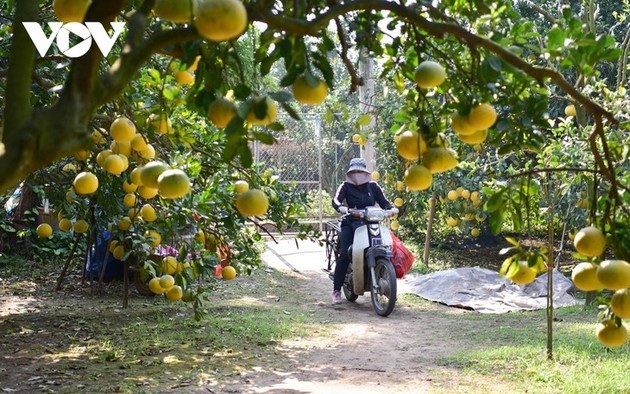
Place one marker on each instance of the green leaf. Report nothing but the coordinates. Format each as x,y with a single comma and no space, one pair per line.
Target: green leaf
513,241
290,110
495,202
242,91
281,96
555,38
495,220
265,138
245,154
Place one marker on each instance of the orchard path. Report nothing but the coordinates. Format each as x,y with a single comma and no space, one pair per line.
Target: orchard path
369,353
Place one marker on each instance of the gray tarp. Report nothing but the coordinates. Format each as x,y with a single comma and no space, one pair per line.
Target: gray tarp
484,291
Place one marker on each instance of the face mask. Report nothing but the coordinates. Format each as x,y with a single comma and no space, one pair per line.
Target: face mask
358,178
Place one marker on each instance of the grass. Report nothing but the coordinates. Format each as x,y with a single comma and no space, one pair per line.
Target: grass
513,347
156,346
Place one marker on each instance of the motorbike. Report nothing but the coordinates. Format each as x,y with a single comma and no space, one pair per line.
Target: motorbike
370,268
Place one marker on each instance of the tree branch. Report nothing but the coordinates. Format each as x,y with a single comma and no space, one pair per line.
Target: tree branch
436,29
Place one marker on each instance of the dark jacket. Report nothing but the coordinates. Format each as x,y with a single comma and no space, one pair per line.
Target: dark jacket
361,196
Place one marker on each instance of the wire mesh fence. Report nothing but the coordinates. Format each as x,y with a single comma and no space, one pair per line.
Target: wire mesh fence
312,155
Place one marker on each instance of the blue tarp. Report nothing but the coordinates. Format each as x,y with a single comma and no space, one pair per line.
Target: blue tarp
96,258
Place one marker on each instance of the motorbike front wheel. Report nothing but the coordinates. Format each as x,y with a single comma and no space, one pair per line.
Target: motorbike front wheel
347,287
383,291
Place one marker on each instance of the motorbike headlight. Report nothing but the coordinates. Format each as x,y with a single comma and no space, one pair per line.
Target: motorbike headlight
374,215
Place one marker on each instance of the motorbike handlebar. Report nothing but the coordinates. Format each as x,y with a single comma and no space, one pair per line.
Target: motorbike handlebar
361,213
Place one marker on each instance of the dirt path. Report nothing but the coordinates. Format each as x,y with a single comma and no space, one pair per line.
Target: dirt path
365,352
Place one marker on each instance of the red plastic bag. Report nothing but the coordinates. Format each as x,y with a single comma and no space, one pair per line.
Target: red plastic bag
402,259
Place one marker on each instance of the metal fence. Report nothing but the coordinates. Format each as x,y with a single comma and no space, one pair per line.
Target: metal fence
312,155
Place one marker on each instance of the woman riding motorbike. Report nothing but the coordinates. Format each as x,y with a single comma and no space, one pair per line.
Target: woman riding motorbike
358,191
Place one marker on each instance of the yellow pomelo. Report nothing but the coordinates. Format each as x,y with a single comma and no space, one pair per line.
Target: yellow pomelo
98,137
429,74
228,272
121,147
154,237
178,11
400,185
175,293
219,20
114,164
129,200
584,277
173,184
476,137
81,226
253,202
614,274
620,303
452,195
70,10
124,224
150,173
611,335
112,245
148,153
44,230
306,94
184,77
122,129
418,177
523,275
482,116
474,196
241,186
590,241
160,122
356,138
129,187
118,252
376,175
475,232
169,265
221,112
465,194
452,222
569,110
85,183
154,286
399,202
135,176
263,111
100,158
138,143
147,192
394,225
167,281
65,225
410,145
82,155
200,237
69,167
438,159
148,213
460,125
459,191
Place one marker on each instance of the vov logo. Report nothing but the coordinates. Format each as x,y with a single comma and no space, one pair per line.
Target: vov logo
88,31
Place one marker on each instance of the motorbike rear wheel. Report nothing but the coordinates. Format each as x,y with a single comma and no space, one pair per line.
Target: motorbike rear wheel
383,292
